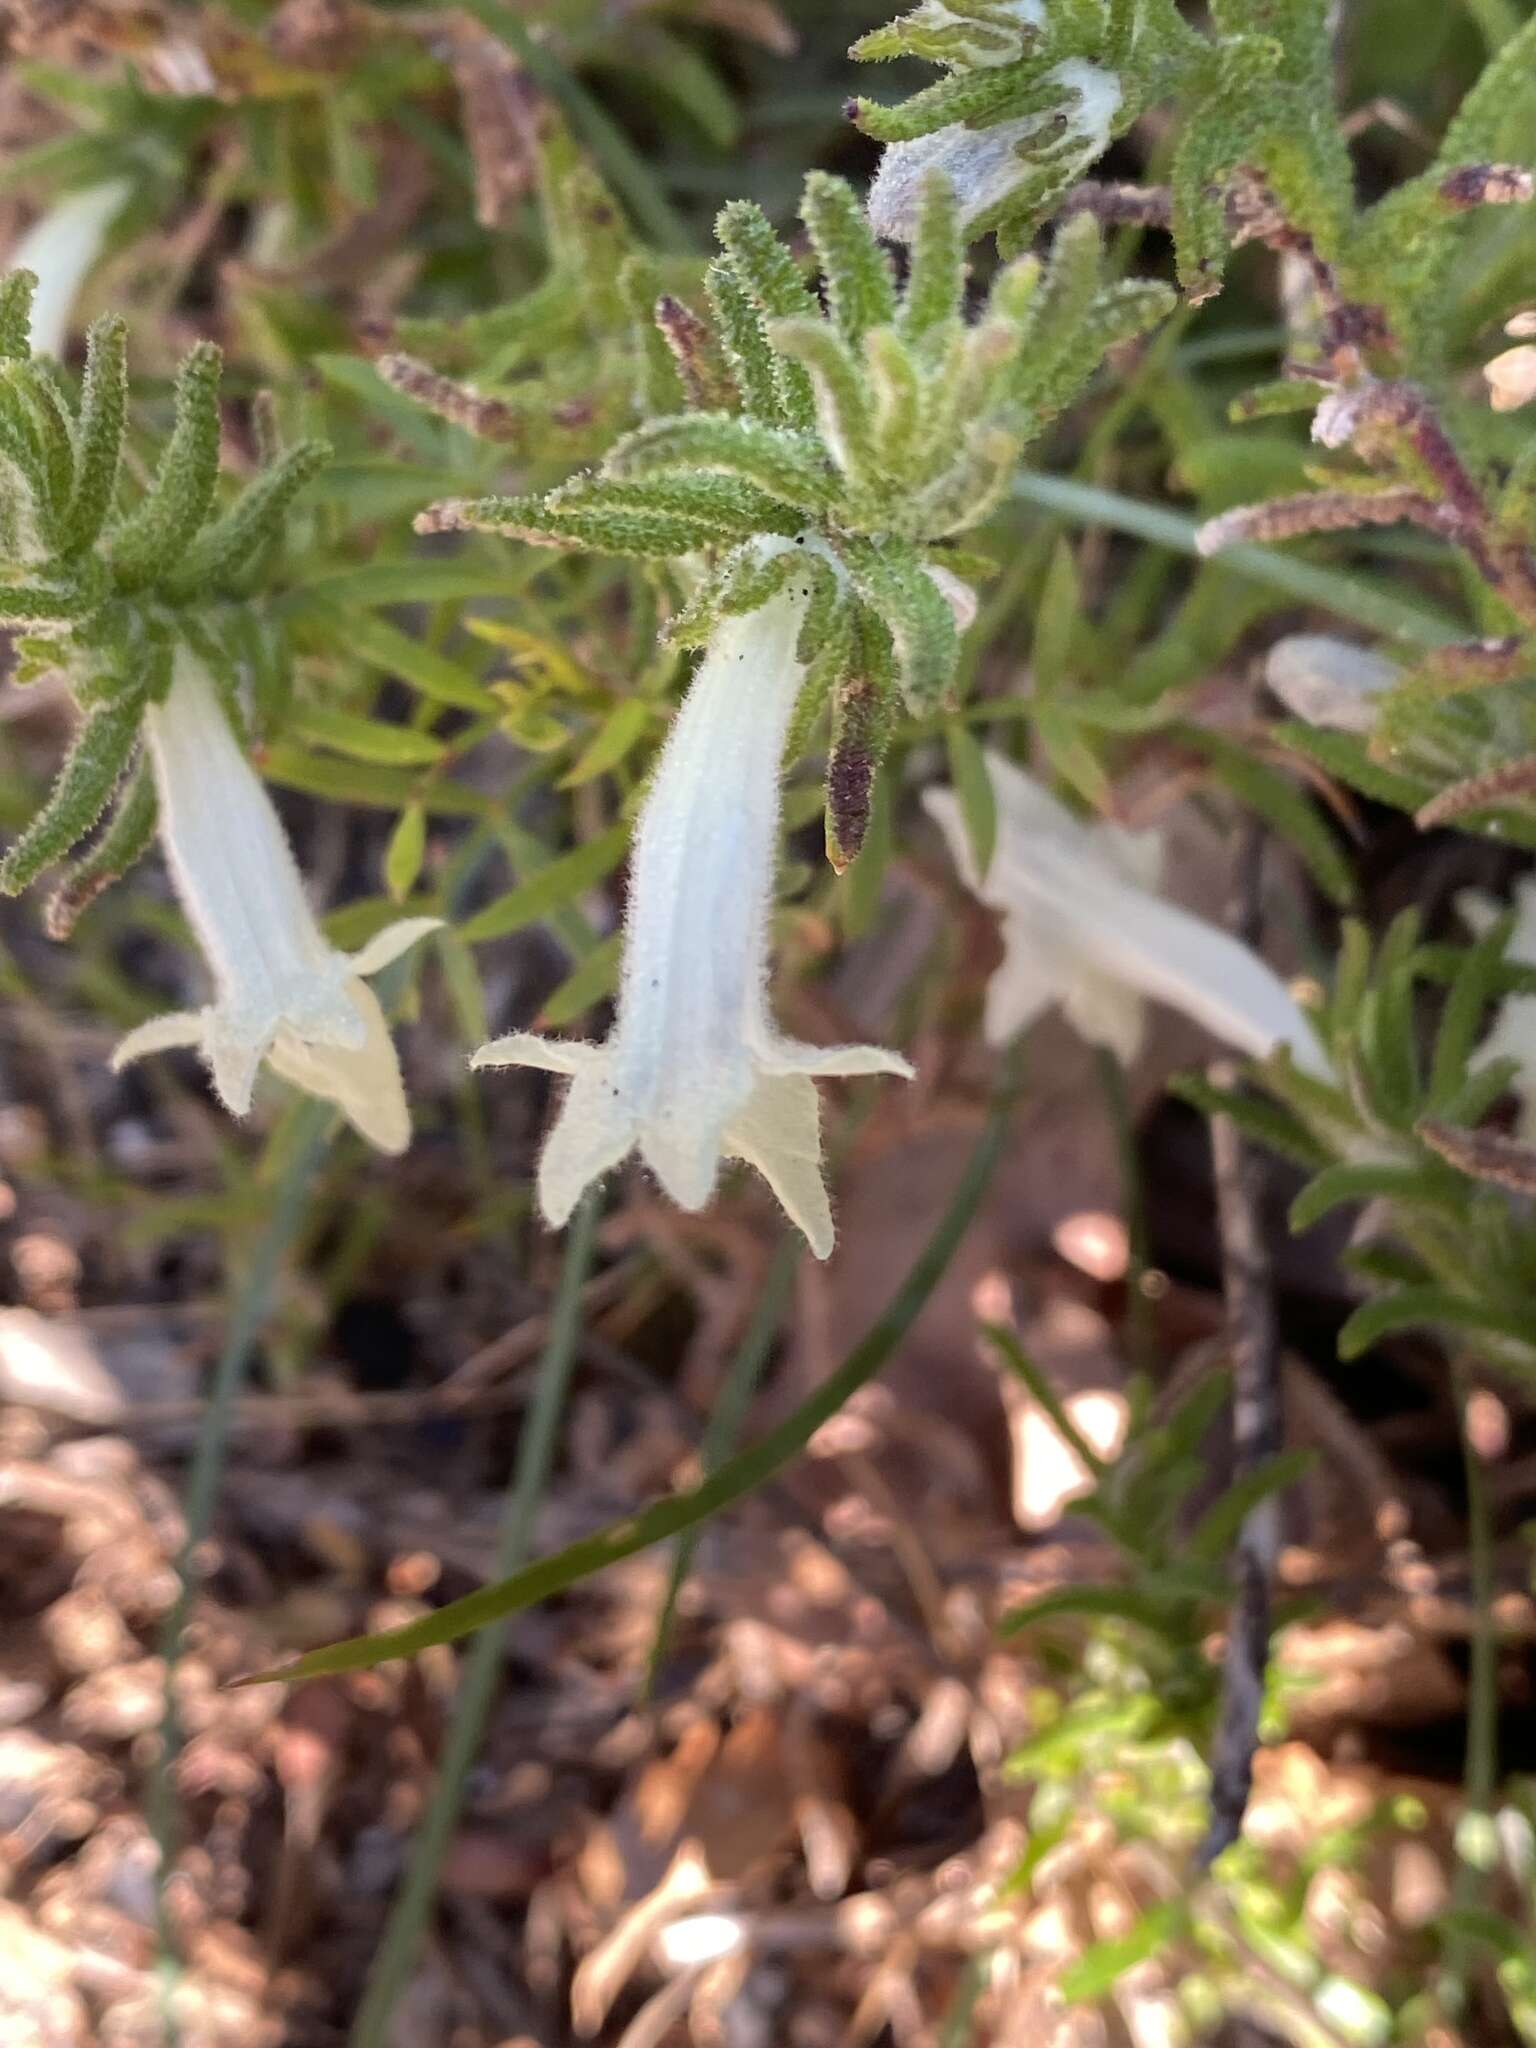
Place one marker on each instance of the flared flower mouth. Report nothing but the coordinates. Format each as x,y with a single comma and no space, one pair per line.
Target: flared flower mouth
1084,928
283,994
695,1070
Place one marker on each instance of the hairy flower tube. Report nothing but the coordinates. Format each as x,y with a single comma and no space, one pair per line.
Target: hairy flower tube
1083,927
59,249
695,1070
283,994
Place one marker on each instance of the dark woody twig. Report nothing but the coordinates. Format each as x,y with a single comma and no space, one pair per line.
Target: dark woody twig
1257,1427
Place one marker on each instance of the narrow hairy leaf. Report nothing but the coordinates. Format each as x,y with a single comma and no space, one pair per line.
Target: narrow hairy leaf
150,541
92,769
860,284
103,414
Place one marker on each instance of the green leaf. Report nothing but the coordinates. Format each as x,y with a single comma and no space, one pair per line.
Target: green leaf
592,980
894,583
1462,1018
1057,618
744,341
860,285
103,414
766,272
550,888
1099,1968
1344,756
1431,1307
1215,1533
1012,1355
1347,597
92,770
1342,1183
16,290
384,647
538,662
1094,1603
615,739
128,837
151,541
936,273
973,786
367,739
358,782
732,1481
406,850
228,548
787,465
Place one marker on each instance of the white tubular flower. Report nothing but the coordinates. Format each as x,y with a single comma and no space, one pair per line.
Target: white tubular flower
283,994
1329,682
694,1069
985,164
1083,928
1513,1032
59,249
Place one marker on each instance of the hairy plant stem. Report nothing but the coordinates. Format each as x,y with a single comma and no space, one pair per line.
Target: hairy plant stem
395,1955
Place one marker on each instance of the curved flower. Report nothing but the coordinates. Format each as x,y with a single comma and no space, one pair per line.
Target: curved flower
1083,928
1328,681
694,1069
59,249
283,993
1512,1034
986,164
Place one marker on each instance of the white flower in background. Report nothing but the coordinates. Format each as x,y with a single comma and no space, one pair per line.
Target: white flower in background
1513,1032
985,164
695,1069
59,249
1083,928
1512,378
283,993
1328,681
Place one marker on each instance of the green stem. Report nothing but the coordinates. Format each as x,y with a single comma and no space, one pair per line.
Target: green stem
734,1480
308,1135
396,1954
1346,596
724,1427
